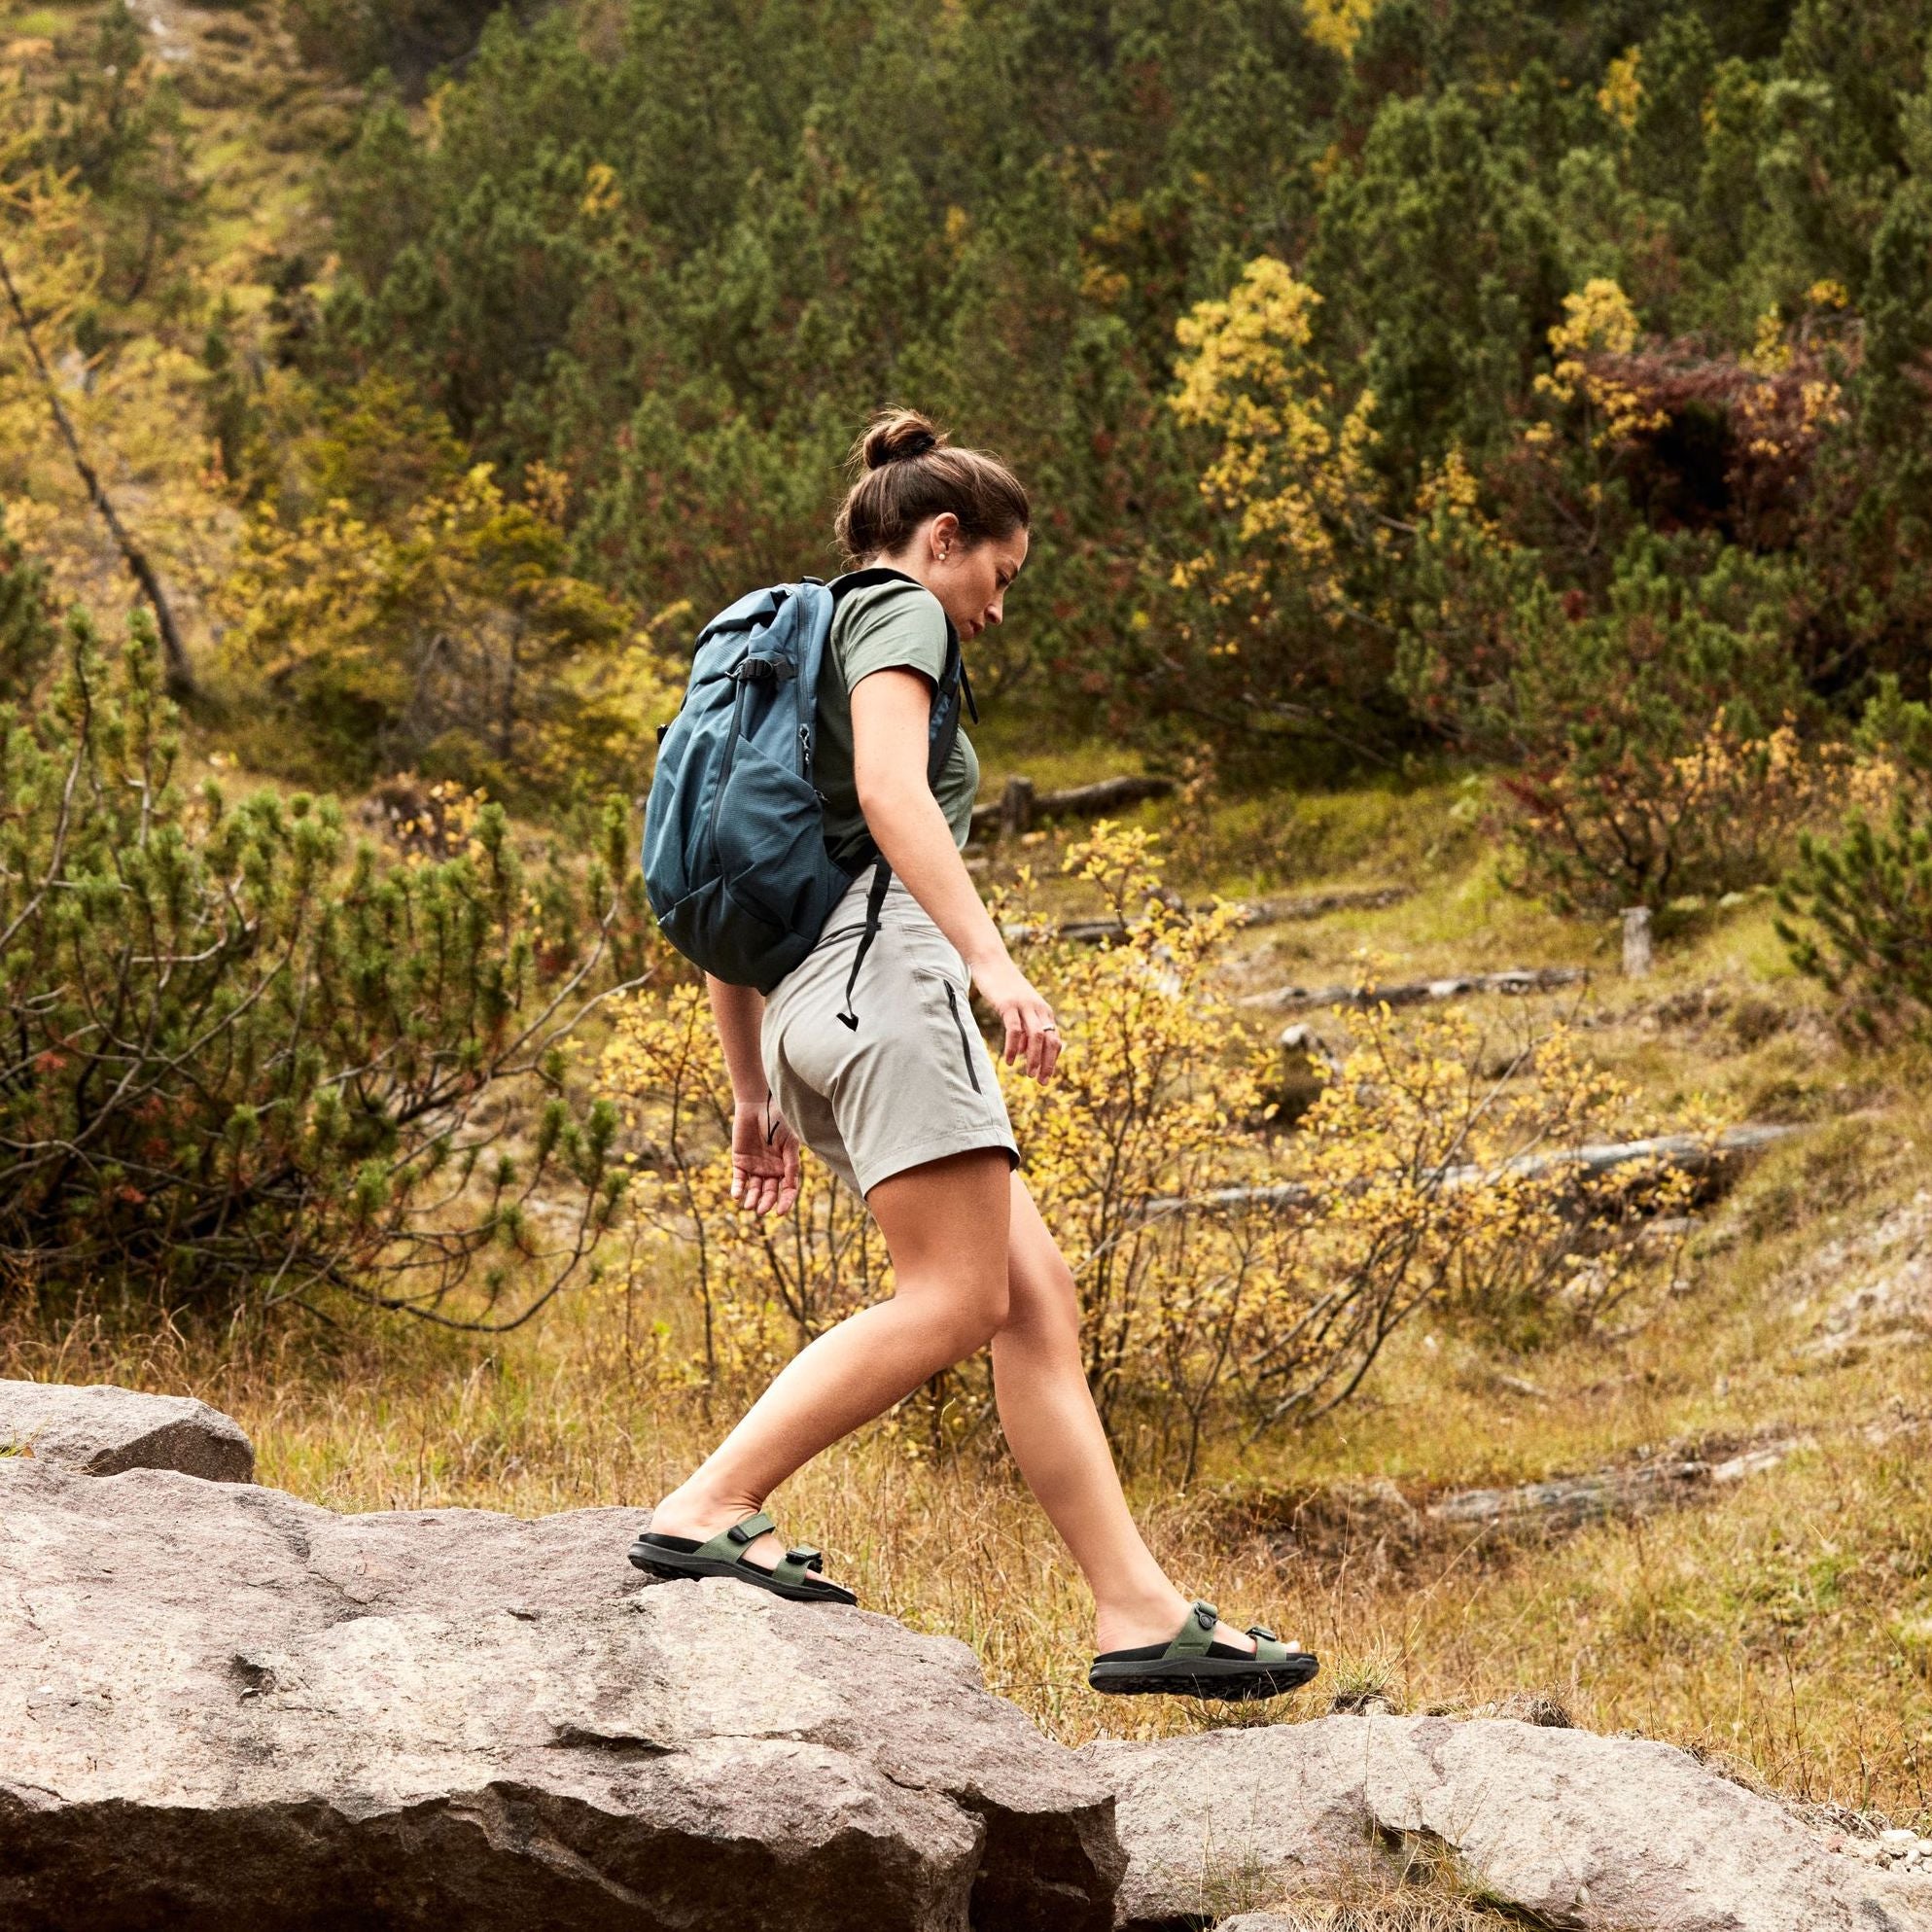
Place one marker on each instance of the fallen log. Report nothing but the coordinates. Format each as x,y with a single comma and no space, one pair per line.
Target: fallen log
1019,807
1687,1152
1415,992
1255,912
1567,1502
1318,905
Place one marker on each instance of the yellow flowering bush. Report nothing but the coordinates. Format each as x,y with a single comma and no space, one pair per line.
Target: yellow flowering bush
1337,24
1294,468
1599,322
1231,1274
449,636
1279,605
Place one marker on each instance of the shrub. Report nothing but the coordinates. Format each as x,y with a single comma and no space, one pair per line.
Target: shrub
26,631
761,1289
1866,894
416,615
1276,636
245,1062
1651,743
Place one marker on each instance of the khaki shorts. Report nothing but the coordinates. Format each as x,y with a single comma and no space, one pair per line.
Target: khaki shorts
913,1081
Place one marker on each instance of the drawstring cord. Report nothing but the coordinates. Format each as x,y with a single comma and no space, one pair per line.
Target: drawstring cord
875,899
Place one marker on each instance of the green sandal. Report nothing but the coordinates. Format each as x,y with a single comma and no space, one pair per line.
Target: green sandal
1192,1665
795,1575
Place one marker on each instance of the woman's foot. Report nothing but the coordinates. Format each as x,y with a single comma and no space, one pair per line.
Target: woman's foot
1203,1659
687,1512
1155,1619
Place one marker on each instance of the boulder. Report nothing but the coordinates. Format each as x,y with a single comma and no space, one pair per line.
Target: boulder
106,1430
1572,1829
1873,1285
221,1707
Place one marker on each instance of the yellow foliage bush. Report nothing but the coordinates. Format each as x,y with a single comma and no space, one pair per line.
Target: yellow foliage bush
1231,1276
1293,470
1598,321
449,636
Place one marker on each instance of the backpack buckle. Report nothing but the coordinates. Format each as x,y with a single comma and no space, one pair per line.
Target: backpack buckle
763,671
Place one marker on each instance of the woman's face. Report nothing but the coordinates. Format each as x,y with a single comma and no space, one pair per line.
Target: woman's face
970,580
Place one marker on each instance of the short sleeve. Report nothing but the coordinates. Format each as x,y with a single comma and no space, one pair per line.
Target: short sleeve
895,626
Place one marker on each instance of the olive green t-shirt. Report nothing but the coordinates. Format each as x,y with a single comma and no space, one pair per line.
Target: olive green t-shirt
882,627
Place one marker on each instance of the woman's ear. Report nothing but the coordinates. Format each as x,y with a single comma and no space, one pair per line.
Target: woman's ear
944,536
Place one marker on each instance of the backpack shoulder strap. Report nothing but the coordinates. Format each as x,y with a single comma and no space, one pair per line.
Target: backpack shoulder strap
952,672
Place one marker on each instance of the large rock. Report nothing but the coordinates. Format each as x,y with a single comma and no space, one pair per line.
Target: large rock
1581,1831
1873,1286
106,1430
224,1707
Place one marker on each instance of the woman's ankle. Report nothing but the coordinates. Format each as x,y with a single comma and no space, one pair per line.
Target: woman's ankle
700,1506
1152,1615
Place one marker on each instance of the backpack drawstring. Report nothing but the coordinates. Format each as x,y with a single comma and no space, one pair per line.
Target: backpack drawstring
875,899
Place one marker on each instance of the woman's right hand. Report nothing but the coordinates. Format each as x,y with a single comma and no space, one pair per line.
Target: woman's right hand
764,1158
1031,1034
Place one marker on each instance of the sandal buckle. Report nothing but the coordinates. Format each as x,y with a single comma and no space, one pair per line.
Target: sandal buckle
805,1557
1206,1616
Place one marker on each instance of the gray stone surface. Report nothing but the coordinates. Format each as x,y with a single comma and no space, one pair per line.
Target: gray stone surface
221,1707
1873,1285
1598,1834
105,1430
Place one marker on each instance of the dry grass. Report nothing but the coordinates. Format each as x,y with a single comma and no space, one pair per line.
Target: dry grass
1783,1625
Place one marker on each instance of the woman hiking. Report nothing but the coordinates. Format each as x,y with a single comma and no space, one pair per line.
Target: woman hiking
866,1051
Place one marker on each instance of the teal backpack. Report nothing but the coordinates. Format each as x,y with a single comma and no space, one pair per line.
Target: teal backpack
735,863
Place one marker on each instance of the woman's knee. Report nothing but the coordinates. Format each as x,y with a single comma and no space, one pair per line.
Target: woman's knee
961,1315
1042,1302
977,1311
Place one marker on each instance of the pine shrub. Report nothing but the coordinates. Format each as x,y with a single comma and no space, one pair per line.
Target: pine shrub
1858,908
246,1060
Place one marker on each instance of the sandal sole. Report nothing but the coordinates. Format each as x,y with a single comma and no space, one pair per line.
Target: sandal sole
663,1564
1223,1679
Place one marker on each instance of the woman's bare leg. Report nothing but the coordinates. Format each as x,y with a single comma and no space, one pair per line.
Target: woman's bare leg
971,1259
945,1228
1054,1431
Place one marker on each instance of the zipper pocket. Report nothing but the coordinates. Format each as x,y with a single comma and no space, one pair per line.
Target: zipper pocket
966,1046
730,753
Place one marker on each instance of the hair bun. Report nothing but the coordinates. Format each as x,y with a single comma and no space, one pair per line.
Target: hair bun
897,435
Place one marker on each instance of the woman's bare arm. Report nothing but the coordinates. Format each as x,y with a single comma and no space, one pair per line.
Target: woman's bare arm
739,1011
890,713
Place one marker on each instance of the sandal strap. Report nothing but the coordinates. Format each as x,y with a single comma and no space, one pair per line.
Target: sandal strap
1268,1647
729,1545
1197,1633
798,1561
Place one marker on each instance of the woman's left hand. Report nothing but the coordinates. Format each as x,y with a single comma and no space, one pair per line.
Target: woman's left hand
764,1158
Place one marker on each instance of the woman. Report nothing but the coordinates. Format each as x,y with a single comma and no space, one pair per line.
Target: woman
867,1052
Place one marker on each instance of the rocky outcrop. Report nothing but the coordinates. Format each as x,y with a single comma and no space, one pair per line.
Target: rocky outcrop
224,1707
221,1707
106,1430
1598,1834
1873,1286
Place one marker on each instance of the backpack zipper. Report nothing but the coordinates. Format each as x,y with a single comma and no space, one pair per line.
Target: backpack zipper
805,752
730,753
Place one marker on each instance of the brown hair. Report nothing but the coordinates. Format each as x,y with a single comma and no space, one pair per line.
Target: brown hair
907,470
